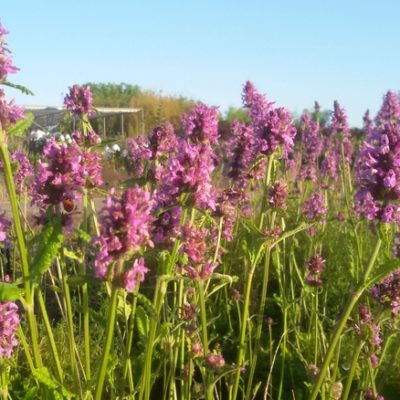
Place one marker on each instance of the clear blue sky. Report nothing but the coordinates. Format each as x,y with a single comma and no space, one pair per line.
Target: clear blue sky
294,51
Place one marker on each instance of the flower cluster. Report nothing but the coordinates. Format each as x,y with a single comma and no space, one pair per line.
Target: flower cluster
125,227
163,140
4,227
311,148
378,169
166,225
91,139
272,125
62,173
147,154
215,361
6,63
196,246
388,291
278,194
315,207
194,243
134,275
9,112
369,395
227,204
389,113
79,100
201,125
337,135
241,152
9,321
23,172
188,172
315,267
370,332
139,153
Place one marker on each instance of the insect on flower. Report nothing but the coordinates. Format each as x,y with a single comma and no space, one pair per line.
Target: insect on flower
69,205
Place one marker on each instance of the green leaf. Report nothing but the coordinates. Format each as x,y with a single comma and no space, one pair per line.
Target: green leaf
19,128
78,280
83,236
73,256
147,305
49,244
132,182
142,322
21,88
59,391
9,291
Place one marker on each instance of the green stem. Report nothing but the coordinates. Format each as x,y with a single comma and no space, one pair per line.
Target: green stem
109,339
267,180
4,380
159,293
243,331
131,328
70,321
260,315
85,297
342,322
50,336
29,306
259,322
204,336
25,346
352,371
316,328
284,343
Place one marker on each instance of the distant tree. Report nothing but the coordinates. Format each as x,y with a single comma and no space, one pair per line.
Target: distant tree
113,94
157,107
238,113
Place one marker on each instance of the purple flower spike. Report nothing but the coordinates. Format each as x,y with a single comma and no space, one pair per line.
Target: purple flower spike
390,110
9,112
201,124
24,171
9,321
125,227
79,100
272,125
4,227
388,291
315,206
278,194
6,63
135,274
315,267
378,168
312,147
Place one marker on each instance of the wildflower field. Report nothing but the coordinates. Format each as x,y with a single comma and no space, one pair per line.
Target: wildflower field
256,263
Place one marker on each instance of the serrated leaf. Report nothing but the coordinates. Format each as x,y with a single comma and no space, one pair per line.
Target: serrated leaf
43,376
9,291
147,305
49,244
21,88
124,308
83,236
73,256
77,280
142,322
19,128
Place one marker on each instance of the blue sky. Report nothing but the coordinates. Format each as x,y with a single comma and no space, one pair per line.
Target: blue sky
294,51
